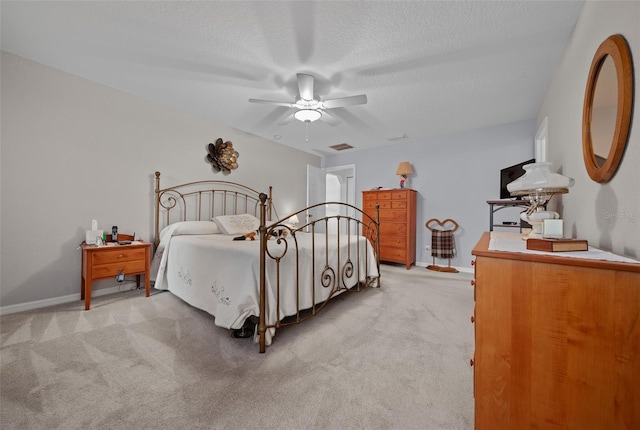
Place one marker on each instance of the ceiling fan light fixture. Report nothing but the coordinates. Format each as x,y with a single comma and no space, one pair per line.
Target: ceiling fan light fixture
307,115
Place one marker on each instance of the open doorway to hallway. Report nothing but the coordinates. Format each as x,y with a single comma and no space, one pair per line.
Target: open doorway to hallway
330,184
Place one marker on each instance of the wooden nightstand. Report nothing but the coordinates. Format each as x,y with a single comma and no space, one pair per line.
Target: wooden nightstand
102,262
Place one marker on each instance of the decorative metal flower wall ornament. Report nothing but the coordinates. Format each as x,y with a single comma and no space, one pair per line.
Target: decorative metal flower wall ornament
222,156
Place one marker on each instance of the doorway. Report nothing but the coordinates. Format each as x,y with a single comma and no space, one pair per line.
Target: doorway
330,184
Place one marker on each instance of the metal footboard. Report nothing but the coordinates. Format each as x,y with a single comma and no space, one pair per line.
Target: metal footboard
334,254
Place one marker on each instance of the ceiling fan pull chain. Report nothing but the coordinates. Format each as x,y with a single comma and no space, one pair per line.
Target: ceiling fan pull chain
306,131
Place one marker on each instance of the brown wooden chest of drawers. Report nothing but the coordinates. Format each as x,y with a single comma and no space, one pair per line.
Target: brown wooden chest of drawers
557,341
100,262
397,223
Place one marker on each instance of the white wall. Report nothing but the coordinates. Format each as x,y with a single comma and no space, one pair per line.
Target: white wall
608,215
455,175
74,150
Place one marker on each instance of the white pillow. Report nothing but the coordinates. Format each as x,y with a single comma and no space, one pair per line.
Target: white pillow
191,227
237,224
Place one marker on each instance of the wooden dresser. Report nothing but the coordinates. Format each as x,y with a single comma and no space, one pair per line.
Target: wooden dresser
557,341
397,223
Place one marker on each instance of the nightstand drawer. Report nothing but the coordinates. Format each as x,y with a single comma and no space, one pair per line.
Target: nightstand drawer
119,255
112,269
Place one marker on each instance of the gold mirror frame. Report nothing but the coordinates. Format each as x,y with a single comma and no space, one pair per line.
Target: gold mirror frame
617,49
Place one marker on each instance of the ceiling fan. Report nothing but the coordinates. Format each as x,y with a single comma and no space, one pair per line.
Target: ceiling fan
309,107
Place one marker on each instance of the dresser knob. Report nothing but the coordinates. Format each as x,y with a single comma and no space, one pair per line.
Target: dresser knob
120,255
473,282
473,262
471,362
473,319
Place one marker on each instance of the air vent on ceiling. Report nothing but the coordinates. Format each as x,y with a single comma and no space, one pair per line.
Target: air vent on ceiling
399,137
341,147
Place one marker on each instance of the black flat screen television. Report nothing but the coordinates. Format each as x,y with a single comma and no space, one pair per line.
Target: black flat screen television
510,174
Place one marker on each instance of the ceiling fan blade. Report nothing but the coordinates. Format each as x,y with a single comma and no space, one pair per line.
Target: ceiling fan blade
286,120
344,101
329,119
271,102
305,86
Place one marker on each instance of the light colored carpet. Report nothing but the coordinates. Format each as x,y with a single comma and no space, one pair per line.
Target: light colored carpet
393,358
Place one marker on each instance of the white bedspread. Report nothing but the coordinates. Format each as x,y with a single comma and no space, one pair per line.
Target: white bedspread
222,276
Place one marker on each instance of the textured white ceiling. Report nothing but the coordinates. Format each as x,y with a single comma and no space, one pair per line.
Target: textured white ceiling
428,68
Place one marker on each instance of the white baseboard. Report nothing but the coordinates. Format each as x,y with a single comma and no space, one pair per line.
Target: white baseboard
28,306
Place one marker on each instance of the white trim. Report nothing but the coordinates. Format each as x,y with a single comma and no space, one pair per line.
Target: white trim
347,191
541,141
342,167
29,306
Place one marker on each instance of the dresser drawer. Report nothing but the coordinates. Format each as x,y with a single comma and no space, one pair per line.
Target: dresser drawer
398,204
393,228
393,254
393,241
369,198
376,195
119,255
397,215
112,269
371,205
399,195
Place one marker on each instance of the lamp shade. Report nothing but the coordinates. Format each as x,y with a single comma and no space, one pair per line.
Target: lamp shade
307,115
538,185
404,169
538,178
293,220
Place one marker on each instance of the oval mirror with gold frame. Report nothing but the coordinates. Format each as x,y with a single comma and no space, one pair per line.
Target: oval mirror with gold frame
608,104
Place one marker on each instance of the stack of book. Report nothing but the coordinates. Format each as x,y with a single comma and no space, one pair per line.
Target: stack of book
557,245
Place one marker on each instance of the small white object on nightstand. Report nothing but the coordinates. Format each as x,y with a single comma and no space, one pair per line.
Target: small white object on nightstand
91,235
552,229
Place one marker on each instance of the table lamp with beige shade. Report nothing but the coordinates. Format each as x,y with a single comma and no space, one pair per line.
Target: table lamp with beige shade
404,170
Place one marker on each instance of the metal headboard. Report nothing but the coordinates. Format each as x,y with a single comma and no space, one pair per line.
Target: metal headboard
203,200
